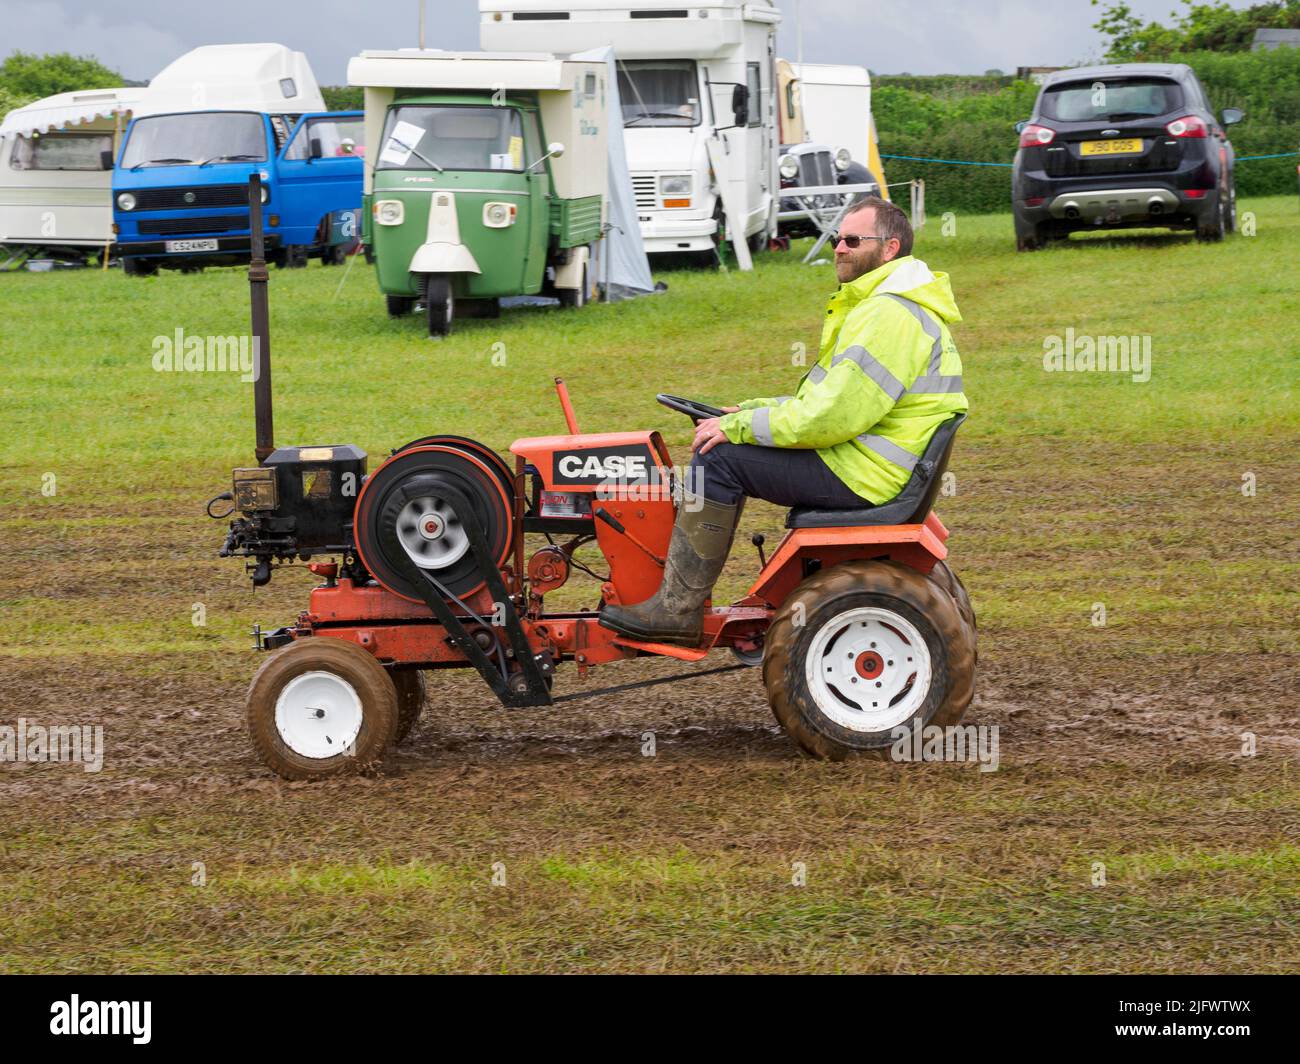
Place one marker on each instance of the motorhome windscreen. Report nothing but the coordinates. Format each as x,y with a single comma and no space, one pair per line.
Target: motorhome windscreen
453,137
1111,101
61,151
196,137
659,92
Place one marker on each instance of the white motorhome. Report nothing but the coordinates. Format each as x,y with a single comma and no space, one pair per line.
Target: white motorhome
697,90
54,184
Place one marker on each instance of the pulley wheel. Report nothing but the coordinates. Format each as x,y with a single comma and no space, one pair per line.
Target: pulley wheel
406,516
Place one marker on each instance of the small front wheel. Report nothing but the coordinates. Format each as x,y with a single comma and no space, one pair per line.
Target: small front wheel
863,652
410,700
321,707
439,304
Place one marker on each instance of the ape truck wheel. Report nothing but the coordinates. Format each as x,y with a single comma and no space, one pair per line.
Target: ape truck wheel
321,707
409,684
862,649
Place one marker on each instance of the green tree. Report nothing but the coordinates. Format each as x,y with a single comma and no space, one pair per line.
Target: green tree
1213,27
30,77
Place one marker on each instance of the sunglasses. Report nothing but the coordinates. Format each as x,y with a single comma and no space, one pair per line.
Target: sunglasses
853,241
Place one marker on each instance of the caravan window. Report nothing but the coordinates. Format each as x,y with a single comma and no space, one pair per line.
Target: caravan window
754,82
659,92
339,138
61,151
455,137
196,137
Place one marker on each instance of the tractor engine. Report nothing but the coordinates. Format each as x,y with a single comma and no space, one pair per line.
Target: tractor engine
297,504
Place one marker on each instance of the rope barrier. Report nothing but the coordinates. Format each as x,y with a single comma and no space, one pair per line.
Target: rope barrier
969,162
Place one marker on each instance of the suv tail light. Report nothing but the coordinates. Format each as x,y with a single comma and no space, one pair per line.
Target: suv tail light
1033,136
1188,126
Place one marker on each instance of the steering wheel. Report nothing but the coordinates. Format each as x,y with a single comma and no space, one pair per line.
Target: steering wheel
694,410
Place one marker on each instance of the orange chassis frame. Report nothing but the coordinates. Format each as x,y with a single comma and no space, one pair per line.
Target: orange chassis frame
402,632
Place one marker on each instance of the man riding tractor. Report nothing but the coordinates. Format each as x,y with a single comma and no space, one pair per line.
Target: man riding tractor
887,376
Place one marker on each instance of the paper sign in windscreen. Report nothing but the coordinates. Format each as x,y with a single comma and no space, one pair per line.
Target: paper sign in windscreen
404,137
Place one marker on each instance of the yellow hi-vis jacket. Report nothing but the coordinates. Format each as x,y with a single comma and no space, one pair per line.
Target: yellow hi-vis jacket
888,374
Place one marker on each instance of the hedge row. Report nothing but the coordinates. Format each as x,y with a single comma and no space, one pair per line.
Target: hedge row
973,119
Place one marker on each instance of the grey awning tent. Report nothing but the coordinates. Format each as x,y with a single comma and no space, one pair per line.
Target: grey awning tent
622,269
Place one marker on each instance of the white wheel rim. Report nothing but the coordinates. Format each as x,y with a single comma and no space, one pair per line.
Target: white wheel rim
868,669
319,715
431,533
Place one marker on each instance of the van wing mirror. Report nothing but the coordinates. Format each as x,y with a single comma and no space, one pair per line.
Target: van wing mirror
1020,126
1231,116
740,104
106,160
314,149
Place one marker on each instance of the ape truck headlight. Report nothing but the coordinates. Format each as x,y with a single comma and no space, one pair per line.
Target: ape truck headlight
126,201
389,212
842,159
675,186
788,167
498,215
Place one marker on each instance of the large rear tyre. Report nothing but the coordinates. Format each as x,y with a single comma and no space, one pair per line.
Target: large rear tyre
321,707
861,653
410,700
398,306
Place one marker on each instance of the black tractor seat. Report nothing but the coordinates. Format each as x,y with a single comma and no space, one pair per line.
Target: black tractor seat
910,506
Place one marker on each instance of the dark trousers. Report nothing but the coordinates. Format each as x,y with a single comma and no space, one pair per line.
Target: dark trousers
783,475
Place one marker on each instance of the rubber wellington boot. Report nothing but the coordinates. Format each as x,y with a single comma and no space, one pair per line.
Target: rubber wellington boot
698,550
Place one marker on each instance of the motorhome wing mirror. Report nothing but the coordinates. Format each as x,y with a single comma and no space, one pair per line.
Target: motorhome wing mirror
1231,116
106,160
740,104
1020,126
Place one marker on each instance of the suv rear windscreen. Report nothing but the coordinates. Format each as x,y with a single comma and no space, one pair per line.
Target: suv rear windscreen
1111,101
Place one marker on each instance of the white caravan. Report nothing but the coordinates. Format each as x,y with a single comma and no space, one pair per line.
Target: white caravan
697,91
837,106
54,184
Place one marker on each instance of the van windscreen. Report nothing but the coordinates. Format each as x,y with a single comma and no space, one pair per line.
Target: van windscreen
453,137
195,137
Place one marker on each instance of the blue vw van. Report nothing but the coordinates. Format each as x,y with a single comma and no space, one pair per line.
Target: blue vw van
180,187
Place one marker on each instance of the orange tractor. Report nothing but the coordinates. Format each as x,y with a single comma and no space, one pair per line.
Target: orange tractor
860,627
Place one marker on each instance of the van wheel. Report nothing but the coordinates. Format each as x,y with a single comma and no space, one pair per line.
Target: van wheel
881,647
575,297
139,267
399,306
293,257
439,304
334,255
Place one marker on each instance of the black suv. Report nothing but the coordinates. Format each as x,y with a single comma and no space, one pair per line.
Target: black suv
1125,146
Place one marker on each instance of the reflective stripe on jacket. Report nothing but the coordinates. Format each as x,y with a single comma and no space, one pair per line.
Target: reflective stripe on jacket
887,375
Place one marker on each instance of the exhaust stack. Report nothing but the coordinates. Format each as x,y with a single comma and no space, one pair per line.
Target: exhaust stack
261,323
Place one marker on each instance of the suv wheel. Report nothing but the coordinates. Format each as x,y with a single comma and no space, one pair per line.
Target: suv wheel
1033,240
1211,225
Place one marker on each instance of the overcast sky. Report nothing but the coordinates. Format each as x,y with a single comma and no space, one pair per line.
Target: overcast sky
139,37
